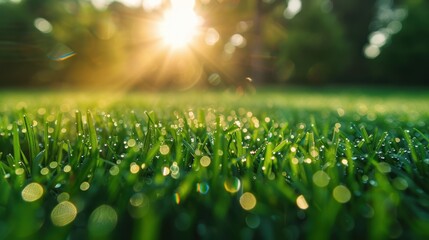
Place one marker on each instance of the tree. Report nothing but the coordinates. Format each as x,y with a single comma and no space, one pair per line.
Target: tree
403,60
314,49
21,57
355,18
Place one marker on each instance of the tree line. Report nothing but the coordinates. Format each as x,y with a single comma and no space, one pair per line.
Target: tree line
313,42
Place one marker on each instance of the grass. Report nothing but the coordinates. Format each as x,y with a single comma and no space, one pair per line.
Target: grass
294,164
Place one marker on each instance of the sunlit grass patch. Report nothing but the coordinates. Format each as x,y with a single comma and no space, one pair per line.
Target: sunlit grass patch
294,164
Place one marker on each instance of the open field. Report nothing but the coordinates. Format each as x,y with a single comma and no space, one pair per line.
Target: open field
294,164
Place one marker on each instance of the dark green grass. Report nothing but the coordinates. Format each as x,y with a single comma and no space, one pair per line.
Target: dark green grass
318,165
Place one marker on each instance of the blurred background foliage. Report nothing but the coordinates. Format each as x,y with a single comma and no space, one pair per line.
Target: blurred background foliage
112,44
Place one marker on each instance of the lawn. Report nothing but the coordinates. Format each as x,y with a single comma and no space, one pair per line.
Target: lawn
274,164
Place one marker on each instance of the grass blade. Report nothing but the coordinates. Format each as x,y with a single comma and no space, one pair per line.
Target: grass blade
16,147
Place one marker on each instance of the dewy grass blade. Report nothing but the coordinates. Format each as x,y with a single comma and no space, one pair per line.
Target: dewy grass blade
47,149
381,141
11,161
423,136
280,146
240,167
268,161
5,169
33,146
79,124
79,148
16,146
36,162
239,143
56,143
92,134
413,152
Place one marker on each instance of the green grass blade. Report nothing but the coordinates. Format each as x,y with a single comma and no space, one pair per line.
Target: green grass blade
92,134
414,156
33,145
16,146
422,135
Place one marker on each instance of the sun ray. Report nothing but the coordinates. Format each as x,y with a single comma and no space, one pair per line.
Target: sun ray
180,24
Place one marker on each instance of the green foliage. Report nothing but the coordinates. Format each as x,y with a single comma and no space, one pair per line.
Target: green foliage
119,46
356,18
410,43
270,165
314,41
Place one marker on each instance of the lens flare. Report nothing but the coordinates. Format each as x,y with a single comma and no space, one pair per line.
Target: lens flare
179,25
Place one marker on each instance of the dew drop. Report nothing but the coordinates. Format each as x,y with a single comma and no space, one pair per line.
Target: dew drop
321,179
176,197
32,192
253,221
341,194
232,185
44,171
164,149
400,183
19,171
248,201
205,161
67,168
134,168
301,202
102,221
114,170
63,213
137,199
203,188
384,167
131,143
165,171
84,186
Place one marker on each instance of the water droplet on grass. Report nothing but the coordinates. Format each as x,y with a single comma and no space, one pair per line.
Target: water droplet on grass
53,165
174,168
384,167
232,185
19,171
44,171
253,221
400,183
321,179
176,197
203,188
341,194
205,161
64,196
67,168
84,186
134,168
295,161
114,170
165,171
102,221
248,201
63,213
137,199
32,192
131,143
164,149
301,202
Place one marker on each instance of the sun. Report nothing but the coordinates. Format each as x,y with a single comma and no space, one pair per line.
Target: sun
179,26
